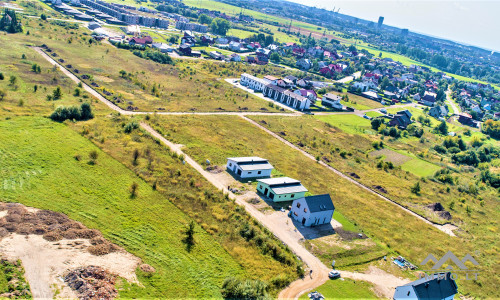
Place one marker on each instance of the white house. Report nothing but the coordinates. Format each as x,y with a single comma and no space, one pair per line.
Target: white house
304,64
255,83
313,210
249,167
332,100
281,188
164,48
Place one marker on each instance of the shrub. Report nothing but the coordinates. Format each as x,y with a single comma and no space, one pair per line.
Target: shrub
416,188
235,288
129,127
133,189
82,113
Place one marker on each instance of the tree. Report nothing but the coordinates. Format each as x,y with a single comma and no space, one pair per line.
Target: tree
275,57
57,93
86,112
189,239
135,157
416,188
376,123
2,95
12,80
492,128
442,128
204,19
133,189
43,17
220,26
2,77
173,40
76,93
9,22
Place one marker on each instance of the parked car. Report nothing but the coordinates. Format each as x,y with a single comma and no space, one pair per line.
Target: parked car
315,296
334,274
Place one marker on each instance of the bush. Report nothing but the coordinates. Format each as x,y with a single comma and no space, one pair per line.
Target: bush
130,127
82,113
235,288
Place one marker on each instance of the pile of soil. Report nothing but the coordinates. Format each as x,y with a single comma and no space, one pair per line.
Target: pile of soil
439,209
380,189
435,206
92,283
214,169
52,225
354,175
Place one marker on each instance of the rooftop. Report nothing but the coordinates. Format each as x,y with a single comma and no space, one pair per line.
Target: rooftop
319,203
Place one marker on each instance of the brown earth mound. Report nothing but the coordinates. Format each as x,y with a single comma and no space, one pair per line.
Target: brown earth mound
52,225
147,268
439,209
92,283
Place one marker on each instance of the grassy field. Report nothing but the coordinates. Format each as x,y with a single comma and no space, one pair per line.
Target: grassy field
215,138
39,169
46,165
348,123
344,289
155,86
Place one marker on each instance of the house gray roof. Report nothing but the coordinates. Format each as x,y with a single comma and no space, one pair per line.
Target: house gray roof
251,163
284,185
333,97
319,203
438,286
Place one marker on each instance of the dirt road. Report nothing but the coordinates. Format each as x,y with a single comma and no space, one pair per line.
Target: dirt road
456,111
319,275
443,228
384,282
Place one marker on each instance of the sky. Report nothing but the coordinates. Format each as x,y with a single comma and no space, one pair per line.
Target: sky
473,22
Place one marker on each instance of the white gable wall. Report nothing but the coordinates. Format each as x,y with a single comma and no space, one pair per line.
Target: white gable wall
300,212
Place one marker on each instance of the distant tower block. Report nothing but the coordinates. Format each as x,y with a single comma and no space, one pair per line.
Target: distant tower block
404,32
380,21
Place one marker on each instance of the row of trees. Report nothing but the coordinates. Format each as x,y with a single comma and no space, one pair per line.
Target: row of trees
82,113
9,22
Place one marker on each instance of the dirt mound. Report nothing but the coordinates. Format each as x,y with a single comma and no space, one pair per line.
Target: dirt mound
92,283
435,206
147,268
214,169
445,215
102,249
439,209
380,189
52,225
354,175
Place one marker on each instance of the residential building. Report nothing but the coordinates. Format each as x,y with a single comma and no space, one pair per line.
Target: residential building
436,286
401,119
467,119
281,189
164,48
371,95
249,167
313,210
332,101
255,83
287,97
438,111
304,64
428,99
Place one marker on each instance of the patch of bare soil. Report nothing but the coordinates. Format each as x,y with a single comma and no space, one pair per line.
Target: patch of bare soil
49,244
396,158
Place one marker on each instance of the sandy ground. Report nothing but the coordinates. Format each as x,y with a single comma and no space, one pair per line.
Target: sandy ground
46,262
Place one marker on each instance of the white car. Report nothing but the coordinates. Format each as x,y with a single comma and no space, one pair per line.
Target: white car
334,274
